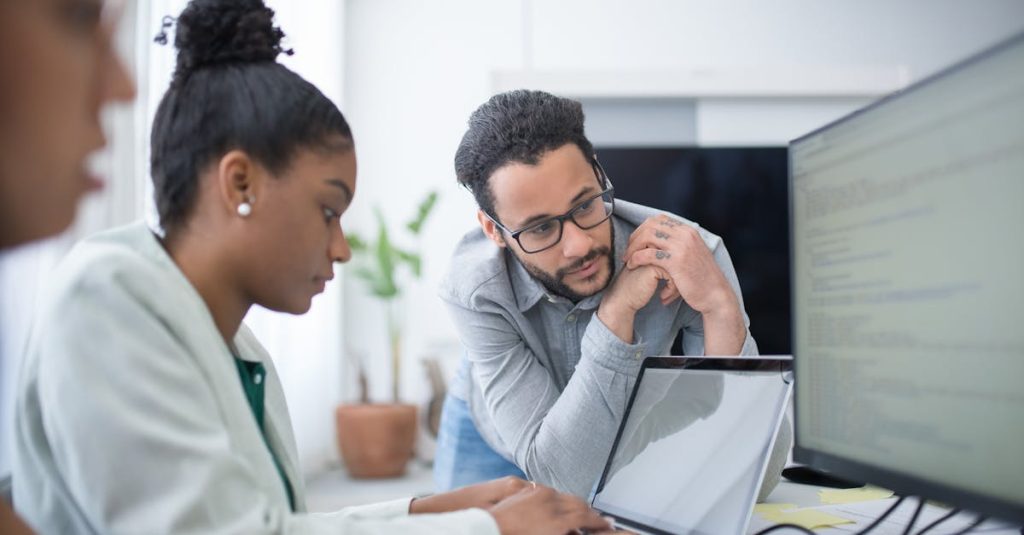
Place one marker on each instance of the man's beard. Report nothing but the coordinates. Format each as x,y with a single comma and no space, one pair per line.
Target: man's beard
555,283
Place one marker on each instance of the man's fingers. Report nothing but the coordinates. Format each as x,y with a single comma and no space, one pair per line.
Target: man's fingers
648,235
669,293
649,257
644,233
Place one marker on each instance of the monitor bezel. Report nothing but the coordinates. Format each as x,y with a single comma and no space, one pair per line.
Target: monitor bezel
899,482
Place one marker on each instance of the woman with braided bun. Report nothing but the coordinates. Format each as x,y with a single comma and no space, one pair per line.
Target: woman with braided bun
145,406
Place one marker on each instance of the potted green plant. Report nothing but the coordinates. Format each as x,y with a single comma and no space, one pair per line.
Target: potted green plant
377,440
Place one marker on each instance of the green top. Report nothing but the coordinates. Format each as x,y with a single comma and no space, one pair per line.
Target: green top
252,375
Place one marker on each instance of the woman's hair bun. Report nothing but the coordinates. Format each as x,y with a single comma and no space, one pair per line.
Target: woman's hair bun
212,32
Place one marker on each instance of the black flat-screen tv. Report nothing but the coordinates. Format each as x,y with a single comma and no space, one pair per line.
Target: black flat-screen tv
738,193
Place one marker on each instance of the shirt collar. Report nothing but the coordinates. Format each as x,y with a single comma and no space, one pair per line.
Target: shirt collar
529,291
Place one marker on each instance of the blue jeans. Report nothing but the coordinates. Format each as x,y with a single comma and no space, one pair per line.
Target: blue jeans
462,456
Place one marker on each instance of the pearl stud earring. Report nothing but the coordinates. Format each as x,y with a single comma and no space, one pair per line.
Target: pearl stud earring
244,209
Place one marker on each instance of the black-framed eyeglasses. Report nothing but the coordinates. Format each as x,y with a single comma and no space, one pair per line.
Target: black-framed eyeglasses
589,213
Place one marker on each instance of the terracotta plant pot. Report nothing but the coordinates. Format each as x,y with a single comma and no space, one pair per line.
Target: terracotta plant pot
376,441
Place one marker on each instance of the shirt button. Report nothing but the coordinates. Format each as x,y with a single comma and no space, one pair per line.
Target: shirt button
570,318
638,355
257,378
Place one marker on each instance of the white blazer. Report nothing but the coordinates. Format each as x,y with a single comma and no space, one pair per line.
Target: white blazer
131,418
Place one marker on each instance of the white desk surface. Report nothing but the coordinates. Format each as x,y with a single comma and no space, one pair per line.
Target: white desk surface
335,489
864,513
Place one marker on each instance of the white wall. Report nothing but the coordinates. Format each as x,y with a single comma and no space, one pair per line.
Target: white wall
923,34
415,70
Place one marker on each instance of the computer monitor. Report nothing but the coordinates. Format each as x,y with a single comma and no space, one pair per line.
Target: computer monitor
907,233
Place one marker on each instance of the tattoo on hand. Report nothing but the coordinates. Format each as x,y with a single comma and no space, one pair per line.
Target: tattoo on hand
669,223
660,234
662,255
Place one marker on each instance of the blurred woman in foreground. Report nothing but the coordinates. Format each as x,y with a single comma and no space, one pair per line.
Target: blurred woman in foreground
57,71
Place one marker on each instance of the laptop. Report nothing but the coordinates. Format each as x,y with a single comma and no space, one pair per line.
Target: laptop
693,446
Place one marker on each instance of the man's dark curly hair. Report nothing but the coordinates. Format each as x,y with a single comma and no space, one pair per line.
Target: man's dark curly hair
518,126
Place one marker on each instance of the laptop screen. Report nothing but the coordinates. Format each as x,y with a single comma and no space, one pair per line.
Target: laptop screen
692,450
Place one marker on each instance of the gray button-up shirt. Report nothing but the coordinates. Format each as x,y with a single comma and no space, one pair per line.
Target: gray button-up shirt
548,382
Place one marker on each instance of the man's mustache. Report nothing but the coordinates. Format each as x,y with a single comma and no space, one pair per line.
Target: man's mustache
594,253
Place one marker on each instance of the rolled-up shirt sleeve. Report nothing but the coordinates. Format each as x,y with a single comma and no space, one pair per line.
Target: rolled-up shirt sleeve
559,438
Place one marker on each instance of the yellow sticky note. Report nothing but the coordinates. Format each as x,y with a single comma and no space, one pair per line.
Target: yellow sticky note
808,518
863,494
773,507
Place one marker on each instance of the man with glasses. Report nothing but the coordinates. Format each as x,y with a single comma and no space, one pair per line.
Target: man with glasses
560,295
